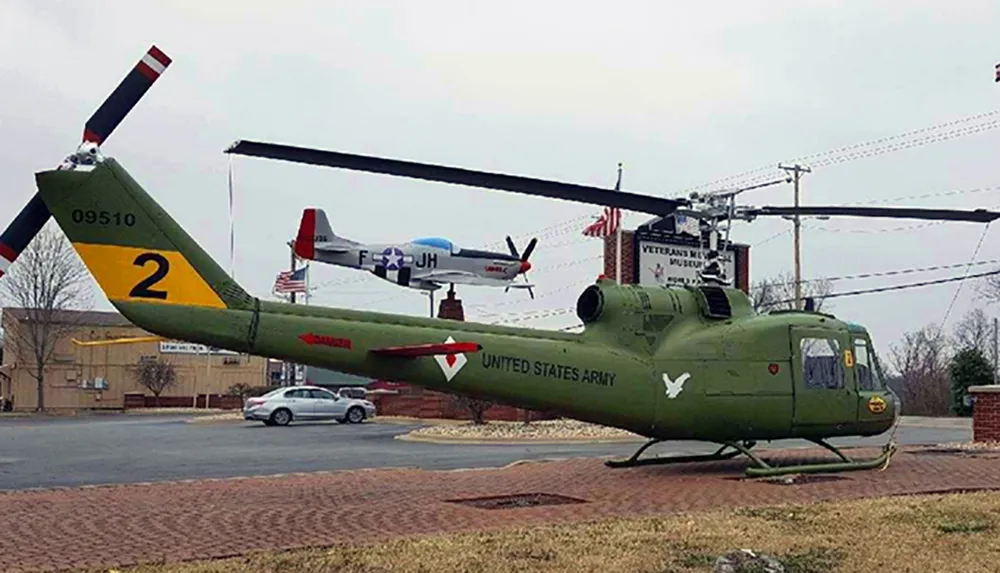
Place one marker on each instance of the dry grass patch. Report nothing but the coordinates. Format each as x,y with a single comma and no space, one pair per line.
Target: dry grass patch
941,533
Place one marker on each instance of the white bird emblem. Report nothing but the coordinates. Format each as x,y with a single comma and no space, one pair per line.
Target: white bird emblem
674,388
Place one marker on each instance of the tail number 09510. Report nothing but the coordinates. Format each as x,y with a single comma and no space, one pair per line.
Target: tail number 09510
161,267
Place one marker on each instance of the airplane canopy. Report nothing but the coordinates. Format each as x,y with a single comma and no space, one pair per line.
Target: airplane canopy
435,242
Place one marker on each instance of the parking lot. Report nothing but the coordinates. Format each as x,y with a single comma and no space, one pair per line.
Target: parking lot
50,452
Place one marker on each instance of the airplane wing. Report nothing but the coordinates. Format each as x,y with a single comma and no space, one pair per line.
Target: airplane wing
463,277
418,350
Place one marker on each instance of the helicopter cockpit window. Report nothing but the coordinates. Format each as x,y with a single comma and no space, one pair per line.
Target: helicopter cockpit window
821,363
868,378
863,365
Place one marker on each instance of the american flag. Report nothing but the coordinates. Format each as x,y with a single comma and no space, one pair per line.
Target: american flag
609,221
605,225
289,281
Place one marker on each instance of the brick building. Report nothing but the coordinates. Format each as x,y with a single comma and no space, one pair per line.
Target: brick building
100,377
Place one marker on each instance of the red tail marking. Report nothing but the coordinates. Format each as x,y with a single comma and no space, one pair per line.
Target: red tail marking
305,242
417,350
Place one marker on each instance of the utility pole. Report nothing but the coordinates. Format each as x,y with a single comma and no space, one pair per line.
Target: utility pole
797,171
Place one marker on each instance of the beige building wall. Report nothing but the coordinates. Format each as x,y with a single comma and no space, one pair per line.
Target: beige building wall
70,375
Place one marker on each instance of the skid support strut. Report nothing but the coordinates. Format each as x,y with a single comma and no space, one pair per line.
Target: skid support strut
759,467
716,456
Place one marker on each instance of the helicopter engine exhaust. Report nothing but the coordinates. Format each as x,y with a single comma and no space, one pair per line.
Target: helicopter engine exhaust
590,305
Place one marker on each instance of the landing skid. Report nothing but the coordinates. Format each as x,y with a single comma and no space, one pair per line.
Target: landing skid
760,468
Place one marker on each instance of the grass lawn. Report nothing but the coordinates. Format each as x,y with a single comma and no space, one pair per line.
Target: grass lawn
939,533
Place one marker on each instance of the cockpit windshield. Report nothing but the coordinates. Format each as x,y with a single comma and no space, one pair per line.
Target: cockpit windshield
866,365
436,243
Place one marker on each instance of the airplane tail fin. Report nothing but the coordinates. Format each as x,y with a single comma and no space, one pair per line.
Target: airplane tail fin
135,250
315,232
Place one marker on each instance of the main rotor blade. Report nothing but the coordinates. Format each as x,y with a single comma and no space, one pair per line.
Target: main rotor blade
974,216
35,214
126,95
459,176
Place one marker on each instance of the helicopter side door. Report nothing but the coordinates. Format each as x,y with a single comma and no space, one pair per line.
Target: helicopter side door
824,393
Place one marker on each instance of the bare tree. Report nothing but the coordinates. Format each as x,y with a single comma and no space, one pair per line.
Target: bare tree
989,288
921,364
975,330
47,280
778,292
155,375
475,407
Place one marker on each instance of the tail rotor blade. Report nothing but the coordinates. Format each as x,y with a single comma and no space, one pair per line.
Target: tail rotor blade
35,214
125,96
21,231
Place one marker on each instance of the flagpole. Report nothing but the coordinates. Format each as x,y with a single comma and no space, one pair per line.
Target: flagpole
618,232
306,294
232,224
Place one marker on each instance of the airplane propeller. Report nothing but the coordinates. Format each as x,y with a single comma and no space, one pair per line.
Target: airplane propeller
108,116
525,265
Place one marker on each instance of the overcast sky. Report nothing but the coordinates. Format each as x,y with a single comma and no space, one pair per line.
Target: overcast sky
682,93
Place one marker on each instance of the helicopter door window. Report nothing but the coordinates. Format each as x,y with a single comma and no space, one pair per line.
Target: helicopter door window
868,372
863,365
821,365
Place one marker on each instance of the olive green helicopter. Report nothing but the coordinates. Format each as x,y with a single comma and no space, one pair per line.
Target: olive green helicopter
691,362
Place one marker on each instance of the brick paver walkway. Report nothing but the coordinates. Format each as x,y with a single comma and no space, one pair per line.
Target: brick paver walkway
121,525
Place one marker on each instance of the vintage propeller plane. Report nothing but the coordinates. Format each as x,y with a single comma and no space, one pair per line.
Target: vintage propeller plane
681,363
424,264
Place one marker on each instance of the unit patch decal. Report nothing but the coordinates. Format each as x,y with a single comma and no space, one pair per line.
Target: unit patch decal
450,363
674,387
876,405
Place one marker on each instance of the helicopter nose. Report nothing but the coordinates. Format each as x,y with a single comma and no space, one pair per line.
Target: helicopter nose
525,267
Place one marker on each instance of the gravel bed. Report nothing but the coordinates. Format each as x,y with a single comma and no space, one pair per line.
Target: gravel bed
562,429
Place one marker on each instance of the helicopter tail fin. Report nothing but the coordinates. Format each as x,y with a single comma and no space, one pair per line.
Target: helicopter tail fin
134,249
315,233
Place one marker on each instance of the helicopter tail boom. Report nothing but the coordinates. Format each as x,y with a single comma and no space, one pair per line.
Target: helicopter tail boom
162,281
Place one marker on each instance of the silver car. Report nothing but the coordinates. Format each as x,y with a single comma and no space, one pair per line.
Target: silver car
281,406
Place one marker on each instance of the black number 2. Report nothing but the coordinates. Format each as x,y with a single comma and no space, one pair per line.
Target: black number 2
143,290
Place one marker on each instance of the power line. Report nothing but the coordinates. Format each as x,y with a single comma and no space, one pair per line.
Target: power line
904,286
895,272
959,289
815,158
870,290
